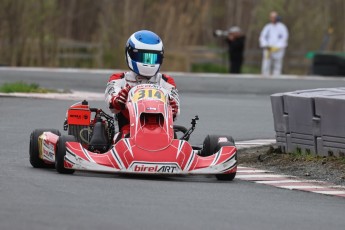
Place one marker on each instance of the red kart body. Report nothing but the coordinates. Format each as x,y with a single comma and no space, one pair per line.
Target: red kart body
151,147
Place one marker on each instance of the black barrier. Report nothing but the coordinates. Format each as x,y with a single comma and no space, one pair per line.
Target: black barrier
328,65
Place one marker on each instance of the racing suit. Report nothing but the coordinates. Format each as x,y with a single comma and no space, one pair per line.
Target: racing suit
119,81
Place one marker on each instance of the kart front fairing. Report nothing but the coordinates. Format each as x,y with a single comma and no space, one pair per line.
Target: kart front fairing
125,156
151,147
151,120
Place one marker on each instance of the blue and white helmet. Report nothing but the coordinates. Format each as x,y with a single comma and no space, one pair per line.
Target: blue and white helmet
144,53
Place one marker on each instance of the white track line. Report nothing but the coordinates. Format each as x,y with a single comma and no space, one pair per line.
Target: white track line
259,176
330,192
278,181
252,171
291,187
254,143
74,96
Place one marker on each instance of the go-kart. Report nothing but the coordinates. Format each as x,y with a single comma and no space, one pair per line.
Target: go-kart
152,146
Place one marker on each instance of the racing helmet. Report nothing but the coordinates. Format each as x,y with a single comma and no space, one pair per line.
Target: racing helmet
144,53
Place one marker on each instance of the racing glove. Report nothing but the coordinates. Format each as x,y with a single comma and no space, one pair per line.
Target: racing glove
119,101
174,106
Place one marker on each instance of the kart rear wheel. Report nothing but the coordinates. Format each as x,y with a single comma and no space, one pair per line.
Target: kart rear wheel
35,160
61,153
211,145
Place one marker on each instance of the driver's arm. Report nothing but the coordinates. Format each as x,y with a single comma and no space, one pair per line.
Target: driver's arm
175,102
169,84
113,91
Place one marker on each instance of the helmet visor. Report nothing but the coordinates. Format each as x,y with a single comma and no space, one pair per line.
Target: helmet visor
146,56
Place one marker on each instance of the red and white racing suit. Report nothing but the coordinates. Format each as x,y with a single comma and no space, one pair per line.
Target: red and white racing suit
119,81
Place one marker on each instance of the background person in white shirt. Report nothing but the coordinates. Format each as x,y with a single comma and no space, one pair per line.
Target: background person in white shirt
273,40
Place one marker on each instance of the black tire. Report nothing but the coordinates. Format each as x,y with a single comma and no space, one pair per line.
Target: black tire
211,145
179,128
229,176
226,177
35,160
60,154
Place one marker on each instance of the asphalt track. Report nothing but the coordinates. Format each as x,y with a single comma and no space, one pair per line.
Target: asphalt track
42,199
94,81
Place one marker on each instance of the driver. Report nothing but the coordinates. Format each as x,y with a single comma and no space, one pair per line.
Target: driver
144,57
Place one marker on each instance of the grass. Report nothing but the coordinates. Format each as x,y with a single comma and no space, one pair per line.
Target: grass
215,68
209,68
299,154
22,87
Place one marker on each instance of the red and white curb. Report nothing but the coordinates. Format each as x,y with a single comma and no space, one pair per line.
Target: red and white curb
288,182
254,143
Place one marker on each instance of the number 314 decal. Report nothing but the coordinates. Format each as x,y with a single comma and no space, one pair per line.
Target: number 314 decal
148,94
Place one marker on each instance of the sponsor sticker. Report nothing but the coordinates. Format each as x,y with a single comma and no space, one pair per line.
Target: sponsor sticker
222,139
48,150
111,90
78,117
155,168
151,108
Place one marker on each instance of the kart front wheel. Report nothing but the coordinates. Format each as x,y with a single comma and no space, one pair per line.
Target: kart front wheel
226,177
35,160
61,153
212,144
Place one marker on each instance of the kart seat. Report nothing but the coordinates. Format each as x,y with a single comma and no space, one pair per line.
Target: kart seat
99,141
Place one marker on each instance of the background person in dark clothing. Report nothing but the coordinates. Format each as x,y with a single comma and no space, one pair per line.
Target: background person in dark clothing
236,41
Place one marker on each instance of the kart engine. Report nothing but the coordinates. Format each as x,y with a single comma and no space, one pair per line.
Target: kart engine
95,133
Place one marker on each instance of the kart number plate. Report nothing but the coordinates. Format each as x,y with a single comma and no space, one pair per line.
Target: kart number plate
152,94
